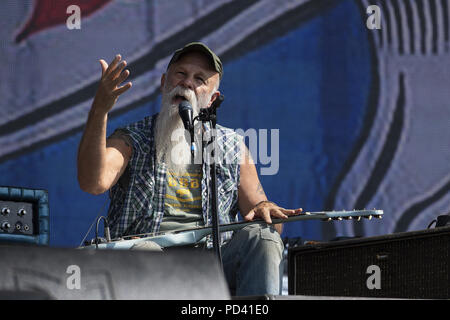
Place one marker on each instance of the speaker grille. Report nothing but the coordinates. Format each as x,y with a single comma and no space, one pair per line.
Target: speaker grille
411,265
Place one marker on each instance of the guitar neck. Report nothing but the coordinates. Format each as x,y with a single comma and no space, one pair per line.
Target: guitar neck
323,215
200,233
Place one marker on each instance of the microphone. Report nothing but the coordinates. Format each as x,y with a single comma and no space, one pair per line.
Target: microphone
186,113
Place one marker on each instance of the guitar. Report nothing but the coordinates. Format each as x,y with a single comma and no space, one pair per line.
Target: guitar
196,235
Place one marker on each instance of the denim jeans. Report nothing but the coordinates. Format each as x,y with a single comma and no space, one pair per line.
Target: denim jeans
252,261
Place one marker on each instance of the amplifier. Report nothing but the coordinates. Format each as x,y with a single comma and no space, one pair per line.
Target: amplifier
24,215
409,265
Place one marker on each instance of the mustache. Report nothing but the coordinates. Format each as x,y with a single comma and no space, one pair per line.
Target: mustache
184,93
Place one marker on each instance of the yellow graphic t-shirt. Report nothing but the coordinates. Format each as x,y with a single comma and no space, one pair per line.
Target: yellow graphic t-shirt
183,200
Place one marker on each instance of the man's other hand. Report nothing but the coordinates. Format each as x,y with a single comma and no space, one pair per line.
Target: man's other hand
265,210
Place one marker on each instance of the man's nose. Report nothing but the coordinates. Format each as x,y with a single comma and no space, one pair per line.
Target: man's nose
187,83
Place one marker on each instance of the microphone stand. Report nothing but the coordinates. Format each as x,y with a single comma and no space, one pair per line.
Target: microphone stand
209,115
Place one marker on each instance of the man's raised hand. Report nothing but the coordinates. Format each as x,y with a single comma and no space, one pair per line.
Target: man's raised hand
109,90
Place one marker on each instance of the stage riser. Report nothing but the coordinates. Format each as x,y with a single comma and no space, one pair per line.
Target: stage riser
56,273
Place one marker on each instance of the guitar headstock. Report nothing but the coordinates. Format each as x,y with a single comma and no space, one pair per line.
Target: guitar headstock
355,215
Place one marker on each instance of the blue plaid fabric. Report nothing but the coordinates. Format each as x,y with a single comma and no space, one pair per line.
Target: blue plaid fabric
137,202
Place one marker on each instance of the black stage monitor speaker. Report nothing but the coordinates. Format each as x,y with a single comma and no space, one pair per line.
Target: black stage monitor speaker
37,272
24,216
409,265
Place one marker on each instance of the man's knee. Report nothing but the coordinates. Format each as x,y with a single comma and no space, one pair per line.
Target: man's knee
266,238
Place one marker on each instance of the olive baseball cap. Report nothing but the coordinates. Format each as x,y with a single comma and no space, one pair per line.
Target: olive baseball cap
216,64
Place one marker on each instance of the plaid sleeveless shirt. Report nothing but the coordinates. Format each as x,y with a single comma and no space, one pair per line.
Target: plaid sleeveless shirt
137,200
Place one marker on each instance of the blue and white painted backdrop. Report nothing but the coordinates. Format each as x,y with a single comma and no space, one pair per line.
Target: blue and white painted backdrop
363,114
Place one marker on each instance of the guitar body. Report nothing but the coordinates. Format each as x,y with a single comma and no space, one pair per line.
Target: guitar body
172,239
196,235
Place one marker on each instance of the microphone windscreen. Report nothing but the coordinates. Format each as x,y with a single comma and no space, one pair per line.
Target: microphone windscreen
184,106
185,111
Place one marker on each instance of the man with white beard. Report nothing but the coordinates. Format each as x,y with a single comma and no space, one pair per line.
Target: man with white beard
169,125
154,186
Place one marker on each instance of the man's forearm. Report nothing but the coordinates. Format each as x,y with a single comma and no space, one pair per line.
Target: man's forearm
92,152
99,167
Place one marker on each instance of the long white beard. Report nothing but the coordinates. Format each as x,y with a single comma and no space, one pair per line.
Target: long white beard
172,141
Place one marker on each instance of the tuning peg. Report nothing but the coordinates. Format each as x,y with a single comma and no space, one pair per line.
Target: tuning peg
338,218
368,217
357,218
348,218
378,216
327,219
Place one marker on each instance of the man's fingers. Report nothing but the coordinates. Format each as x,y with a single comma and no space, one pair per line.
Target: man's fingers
122,89
104,66
250,215
265,215
123,76
279,213
267,212
291,212
113,64
287,211
117,72
300,211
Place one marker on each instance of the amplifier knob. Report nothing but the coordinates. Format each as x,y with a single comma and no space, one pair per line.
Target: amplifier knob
21,212
5,211
6,225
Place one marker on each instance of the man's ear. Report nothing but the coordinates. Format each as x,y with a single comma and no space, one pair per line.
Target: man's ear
213,98
163,80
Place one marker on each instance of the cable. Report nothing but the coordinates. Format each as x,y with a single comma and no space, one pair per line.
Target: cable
434,221
90,228
108,238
